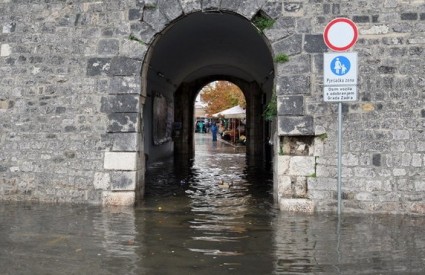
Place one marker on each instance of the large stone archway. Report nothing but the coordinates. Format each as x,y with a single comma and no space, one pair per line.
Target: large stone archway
189,44
199,48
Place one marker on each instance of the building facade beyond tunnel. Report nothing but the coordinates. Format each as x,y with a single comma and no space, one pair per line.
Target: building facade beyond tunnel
93,90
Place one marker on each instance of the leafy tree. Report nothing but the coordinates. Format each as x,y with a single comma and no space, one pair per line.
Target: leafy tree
221,95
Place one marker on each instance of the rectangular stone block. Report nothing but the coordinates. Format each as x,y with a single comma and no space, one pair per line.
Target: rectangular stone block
120,161
108,47
296,165
313,43
297,205
124,85
291,45
124,66
246,8
120,104
133,49
229,4
284,189
102,181
300,64
301,166
322,184
416,208
295,125
367,185
5,50
135,14
190,5
293,7
171,8
361,18
98,66
143,31
420,185
320,195
9,27
124,198
125,142
401,134
123,181
123,122
273,9
300,187
409,16
290,105
283,165
293,85
4,104
155,17
364,196
210,4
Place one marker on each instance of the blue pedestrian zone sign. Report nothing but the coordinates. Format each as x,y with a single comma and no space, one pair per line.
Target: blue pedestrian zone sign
340,69
340,77
340,65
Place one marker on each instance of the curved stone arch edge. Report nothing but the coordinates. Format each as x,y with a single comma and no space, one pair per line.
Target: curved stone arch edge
120,178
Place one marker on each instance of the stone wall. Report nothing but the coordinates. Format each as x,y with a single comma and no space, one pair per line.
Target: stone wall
383,142
71,96
73,89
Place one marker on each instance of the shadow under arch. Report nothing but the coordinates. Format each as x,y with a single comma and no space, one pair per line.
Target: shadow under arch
192,51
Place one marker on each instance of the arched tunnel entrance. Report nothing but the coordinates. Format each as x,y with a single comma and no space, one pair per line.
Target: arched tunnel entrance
193,51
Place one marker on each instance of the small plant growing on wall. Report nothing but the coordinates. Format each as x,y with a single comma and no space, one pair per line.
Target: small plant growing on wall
262,21
323,136
281,58
150,5
271,109
132,37
312,175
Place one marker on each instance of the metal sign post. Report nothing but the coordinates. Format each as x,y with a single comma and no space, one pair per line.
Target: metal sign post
340,75
339,155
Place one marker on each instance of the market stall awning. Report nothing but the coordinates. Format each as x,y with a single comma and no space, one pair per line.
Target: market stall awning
234,112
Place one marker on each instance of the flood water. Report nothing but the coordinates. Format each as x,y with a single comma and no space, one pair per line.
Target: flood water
192,222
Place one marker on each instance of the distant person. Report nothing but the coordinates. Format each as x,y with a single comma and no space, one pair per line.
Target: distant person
207,126
214,130
201,127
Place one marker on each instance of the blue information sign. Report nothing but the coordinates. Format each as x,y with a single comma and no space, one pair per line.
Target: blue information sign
340,65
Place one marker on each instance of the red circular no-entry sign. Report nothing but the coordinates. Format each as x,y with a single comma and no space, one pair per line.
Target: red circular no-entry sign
340,34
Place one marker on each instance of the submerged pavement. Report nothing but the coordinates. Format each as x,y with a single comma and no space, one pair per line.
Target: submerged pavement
191,222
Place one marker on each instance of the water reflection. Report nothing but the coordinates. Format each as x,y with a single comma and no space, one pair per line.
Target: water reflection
217,199
52,239
190,223
118,236
351,245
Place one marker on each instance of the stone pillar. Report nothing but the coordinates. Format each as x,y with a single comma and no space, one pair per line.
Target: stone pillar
124,163
255,122
183,117
295,155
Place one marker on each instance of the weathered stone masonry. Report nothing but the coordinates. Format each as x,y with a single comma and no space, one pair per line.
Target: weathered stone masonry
73,87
